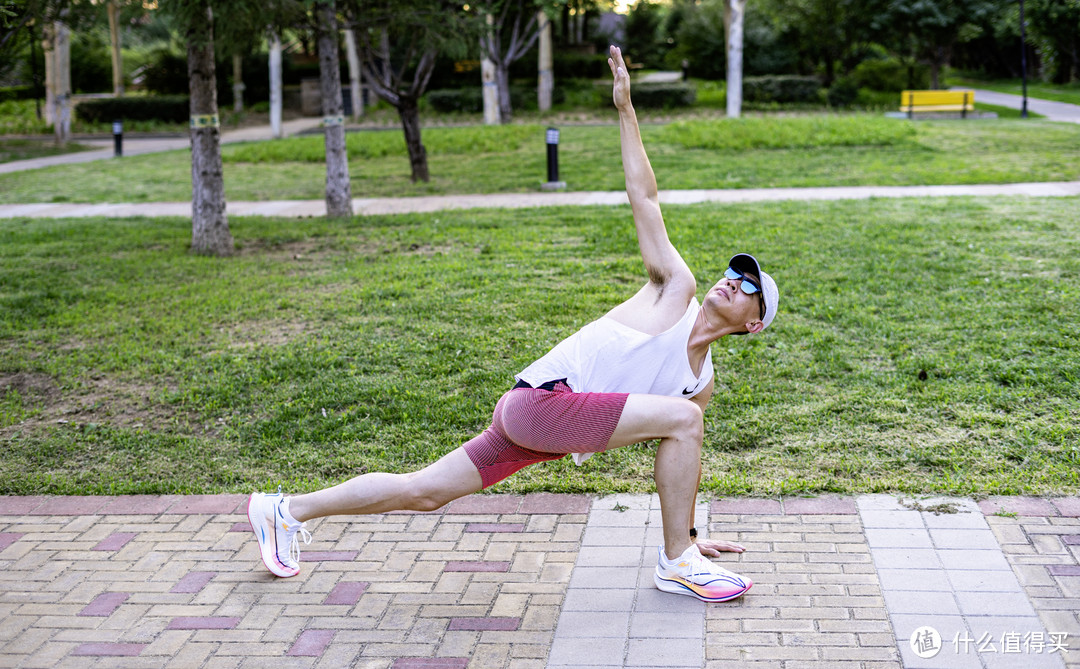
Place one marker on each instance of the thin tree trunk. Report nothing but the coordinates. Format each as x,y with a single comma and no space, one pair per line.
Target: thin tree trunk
355,91
62,80
735,53
117,57
238,82
209,225
502,78
490,90
338,191
275,84
545,83
48,44
410,122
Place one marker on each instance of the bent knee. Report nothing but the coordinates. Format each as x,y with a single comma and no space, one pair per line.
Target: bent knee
423,497
689,420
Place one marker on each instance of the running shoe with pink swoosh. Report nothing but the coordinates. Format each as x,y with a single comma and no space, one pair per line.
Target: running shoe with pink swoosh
694,575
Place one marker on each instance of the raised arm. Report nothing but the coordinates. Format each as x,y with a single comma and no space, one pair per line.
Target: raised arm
665,266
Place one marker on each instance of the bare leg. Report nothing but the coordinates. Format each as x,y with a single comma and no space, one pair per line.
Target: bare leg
452,476
678,425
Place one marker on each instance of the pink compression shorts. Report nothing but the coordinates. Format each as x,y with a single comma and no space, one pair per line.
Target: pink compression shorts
533,425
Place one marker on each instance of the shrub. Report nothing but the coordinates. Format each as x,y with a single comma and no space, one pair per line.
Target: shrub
166,108
664,96
456,99
843,92
166,74
889,75
16,93
781,88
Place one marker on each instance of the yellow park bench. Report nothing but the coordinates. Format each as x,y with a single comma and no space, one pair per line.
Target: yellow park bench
937,101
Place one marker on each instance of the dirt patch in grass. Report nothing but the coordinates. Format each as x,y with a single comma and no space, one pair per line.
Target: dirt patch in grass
92,402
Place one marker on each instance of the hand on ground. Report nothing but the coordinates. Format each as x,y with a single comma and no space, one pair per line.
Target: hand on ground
713,548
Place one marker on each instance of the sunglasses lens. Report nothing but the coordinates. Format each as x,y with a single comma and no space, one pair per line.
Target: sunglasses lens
748,286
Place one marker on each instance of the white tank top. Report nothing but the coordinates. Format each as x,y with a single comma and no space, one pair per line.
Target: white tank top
606,356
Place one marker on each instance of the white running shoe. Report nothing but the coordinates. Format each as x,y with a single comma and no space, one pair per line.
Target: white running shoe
278,541
695,575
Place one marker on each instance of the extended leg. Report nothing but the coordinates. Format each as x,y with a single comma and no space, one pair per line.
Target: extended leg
452,476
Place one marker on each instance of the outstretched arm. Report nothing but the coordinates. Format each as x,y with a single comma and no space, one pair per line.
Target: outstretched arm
665,266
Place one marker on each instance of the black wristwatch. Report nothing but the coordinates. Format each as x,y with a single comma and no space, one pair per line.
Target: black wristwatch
693,533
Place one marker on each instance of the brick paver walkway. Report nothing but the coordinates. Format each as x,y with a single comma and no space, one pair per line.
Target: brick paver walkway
535,581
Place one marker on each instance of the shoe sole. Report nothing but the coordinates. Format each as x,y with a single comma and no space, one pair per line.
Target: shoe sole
680,587
258,528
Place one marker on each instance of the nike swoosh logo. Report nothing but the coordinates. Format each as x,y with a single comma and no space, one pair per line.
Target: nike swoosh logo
689,392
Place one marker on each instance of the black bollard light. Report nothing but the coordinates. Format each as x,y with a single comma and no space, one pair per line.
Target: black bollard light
553,182
118,138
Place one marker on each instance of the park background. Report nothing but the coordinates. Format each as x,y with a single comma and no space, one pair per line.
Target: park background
924,346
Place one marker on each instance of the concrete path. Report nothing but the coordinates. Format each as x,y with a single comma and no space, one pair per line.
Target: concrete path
134,146
541,580
371,206
1053,111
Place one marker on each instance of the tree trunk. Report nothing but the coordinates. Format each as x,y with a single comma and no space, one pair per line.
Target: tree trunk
490,88
238,82
275,85
117,58
338,191
48,44
545,77
734,64
355,91
209,225
502,79
62,80
410,122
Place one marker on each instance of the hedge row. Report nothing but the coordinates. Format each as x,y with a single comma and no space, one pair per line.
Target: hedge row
471,99
166,108
16,93
781,88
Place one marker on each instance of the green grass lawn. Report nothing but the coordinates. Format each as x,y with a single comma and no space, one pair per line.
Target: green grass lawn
24,149
752,152
923,346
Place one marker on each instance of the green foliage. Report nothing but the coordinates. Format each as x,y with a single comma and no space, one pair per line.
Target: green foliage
781,88
324,350
165,108
664,96
843,93
891,75
18,117
8,93
761,133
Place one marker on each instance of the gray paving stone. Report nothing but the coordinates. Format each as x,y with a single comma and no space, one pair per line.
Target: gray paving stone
946,659
598,624
981,539
982,581
609,556
874,503
587,651
930,580
645,625
651,600
957,521
613,536
897,538
665,653
977,560
906,558
994,603
904,624
921,603
892,519
604,577
599,599
607,518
